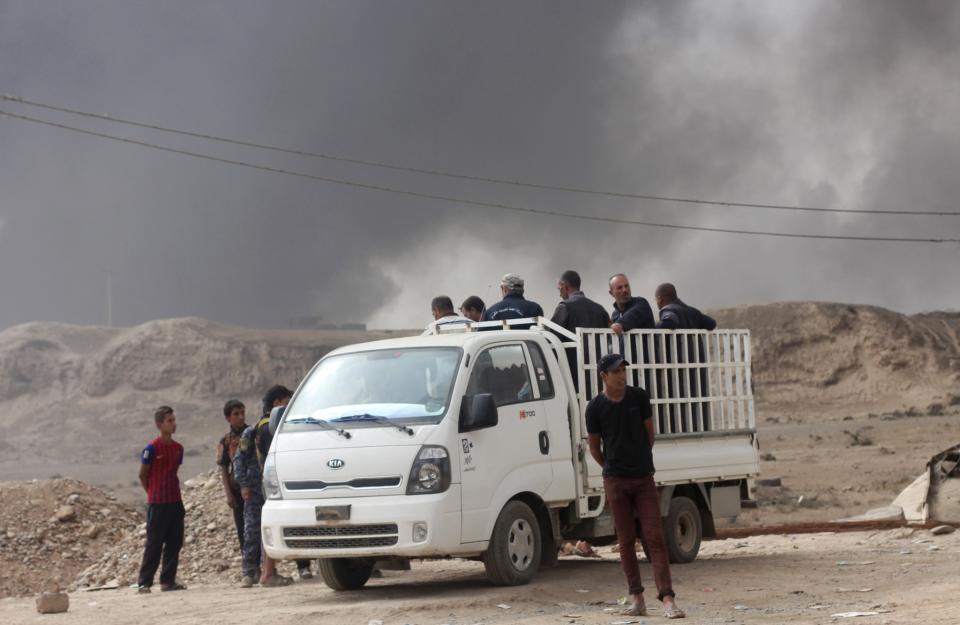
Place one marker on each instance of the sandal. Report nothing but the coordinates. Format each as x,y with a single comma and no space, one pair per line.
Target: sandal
637,609
585,550
276,580
674,612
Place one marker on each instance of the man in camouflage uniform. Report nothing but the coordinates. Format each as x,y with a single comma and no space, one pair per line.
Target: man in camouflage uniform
249,476
276,396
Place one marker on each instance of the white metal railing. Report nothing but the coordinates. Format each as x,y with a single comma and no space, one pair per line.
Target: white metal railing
698,381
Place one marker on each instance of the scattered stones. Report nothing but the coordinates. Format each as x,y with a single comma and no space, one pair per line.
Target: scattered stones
211,552
53,603
942,529
65,513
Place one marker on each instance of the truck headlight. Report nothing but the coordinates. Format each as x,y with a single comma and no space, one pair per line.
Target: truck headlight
271,482
430,472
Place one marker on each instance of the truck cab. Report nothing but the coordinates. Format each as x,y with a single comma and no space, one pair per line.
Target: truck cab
463,442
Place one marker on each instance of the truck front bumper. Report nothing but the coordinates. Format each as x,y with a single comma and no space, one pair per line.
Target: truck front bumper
415,526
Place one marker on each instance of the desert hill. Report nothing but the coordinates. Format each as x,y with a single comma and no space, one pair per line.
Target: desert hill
807,355
86,394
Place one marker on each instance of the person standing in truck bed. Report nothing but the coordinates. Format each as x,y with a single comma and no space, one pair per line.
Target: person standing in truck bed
472,308
675,315
629,313
513,305
575,309
441,307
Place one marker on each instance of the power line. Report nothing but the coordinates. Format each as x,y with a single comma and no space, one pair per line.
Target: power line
446,198
474,178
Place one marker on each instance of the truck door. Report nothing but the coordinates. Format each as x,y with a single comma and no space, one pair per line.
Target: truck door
514,455
550,383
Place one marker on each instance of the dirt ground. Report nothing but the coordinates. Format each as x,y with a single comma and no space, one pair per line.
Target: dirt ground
902,575
842,464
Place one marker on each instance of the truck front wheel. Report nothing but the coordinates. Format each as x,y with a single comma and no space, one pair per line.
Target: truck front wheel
345,573
513,556
682,530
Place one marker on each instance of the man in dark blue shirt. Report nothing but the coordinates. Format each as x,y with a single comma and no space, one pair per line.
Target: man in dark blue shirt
629,313
675,315
513,305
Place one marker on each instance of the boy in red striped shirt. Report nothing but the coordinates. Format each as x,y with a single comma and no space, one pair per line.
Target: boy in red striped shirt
159,463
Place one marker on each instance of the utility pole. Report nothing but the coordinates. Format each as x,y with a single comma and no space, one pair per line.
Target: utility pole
109,300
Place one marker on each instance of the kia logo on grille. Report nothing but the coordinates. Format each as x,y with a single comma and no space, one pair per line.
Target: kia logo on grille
336,463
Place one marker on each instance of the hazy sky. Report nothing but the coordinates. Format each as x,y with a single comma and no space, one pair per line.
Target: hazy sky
837,104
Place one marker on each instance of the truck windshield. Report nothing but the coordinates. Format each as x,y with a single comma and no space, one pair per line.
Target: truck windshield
411,385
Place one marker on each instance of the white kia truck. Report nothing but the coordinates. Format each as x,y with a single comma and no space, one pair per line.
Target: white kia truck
470,441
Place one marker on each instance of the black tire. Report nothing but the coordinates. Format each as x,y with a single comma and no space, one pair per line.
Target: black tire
513,556
682,530
345,573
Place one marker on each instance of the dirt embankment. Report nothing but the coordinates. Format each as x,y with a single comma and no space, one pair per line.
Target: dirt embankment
51,530
807,355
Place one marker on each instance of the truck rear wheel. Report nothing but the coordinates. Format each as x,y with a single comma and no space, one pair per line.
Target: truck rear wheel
513,556
345,573
683,530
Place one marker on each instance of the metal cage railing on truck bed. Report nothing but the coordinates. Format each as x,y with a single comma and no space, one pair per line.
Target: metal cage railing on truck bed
698,381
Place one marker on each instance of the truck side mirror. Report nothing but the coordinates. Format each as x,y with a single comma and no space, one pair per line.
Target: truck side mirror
478,412
275,415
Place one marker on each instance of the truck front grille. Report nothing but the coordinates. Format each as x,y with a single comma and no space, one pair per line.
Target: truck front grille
340,536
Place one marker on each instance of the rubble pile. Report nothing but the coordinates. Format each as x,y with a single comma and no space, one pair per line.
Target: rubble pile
50,530
211,552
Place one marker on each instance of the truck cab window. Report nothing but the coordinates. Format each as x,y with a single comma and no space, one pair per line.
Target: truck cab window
502,372
541,372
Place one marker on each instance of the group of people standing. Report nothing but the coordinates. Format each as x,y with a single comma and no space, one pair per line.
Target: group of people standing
576,310
240,456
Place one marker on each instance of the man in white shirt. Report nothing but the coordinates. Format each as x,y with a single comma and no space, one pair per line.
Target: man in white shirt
443,314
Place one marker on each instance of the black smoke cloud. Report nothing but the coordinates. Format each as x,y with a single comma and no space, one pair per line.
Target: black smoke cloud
843,104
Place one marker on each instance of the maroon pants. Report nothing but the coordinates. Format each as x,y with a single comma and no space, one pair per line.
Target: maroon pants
628,496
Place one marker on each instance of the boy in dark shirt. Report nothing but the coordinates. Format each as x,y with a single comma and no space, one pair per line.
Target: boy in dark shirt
159,463
236,415
621,434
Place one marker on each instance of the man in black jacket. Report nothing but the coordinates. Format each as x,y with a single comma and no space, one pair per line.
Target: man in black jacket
675,315
629,313
575,310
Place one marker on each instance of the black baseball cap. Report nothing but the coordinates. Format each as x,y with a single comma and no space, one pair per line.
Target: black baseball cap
610,362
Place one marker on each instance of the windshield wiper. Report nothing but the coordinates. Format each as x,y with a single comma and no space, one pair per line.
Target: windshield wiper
323,424
366,416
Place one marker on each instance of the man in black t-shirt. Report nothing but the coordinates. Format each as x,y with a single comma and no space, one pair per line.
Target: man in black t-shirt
621,436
